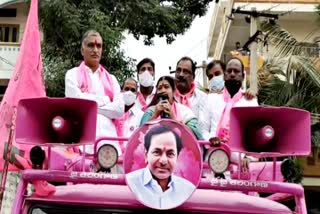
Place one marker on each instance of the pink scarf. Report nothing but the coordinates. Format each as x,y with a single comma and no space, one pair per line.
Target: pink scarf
105,77
184,99
142,101
223,125
119,123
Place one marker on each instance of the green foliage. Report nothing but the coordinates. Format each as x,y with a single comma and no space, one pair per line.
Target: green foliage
64,21
290,77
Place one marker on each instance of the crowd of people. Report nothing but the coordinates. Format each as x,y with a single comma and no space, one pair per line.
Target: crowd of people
123,109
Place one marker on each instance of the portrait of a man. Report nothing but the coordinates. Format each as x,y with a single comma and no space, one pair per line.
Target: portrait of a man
155,185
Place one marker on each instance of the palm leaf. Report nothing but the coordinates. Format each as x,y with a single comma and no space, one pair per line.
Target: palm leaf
289,77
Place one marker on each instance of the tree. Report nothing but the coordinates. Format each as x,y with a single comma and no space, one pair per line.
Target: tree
64,21
290,77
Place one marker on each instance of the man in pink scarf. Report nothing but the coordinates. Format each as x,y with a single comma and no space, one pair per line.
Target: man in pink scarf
218,106
130,121
146,74
92,81
187,93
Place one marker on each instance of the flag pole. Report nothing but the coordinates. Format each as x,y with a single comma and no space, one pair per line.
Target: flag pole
6,164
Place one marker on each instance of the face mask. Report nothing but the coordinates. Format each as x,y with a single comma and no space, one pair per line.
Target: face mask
216,83
146,79
129,98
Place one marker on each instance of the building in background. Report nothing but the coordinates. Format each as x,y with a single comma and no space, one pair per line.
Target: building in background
296,16
13,17
229,31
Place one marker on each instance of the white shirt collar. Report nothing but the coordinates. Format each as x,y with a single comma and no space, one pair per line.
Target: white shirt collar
134,110
90,70
147,178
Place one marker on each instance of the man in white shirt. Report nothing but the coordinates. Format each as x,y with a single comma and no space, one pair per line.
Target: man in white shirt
146,74
187,93
216,117
130,120
216,102
156,186
92,82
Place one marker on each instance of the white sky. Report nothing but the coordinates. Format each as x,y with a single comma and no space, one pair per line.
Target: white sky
193,44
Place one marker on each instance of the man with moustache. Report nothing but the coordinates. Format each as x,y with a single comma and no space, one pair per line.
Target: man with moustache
91,81
155,185
187,93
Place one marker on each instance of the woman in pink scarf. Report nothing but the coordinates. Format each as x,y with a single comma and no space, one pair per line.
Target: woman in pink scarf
163,105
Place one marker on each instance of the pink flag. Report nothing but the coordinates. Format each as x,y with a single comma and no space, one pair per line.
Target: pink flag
27,78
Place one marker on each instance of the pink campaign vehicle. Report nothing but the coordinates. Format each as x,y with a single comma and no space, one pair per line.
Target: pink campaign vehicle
66,180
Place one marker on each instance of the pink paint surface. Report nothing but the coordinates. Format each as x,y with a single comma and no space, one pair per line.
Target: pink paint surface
26,80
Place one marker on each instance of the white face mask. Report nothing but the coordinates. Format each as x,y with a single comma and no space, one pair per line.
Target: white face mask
146,79
216,83
129,98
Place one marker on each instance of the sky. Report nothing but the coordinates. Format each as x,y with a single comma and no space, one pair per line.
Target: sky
192,43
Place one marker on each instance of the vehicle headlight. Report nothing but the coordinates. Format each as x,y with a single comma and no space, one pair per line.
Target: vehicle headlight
219,161
107,156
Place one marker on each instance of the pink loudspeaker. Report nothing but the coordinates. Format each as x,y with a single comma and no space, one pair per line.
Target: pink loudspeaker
56,120
270,131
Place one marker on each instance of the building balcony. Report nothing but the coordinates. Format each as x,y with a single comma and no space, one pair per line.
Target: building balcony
8,55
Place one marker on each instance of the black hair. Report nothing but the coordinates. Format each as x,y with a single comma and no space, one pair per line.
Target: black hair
214,63
193,64
242,66
144,61
160,130
170,80
130,78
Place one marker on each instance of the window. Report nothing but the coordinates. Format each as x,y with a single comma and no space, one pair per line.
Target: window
9,33
8,12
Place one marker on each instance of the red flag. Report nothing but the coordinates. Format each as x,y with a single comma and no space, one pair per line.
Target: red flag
27,78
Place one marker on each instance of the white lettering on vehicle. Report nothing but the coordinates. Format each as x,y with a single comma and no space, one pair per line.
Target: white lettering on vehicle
223,183
93,175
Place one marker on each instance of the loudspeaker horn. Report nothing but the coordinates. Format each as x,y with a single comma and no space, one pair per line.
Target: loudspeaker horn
270,131
56,120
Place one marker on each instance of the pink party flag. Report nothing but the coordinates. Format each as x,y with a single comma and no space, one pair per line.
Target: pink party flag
26,81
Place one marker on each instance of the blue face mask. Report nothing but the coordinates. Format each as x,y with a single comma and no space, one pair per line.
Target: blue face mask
216,83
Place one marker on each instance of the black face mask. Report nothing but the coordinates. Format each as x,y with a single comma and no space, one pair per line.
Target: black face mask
232,86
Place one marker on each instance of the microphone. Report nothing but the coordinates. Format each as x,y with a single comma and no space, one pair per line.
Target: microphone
161,98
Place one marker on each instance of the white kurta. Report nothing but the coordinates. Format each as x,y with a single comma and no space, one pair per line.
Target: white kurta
198,105
133,121
197,101
107,110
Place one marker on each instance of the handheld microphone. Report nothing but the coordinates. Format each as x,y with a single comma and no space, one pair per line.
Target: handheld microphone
163,97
